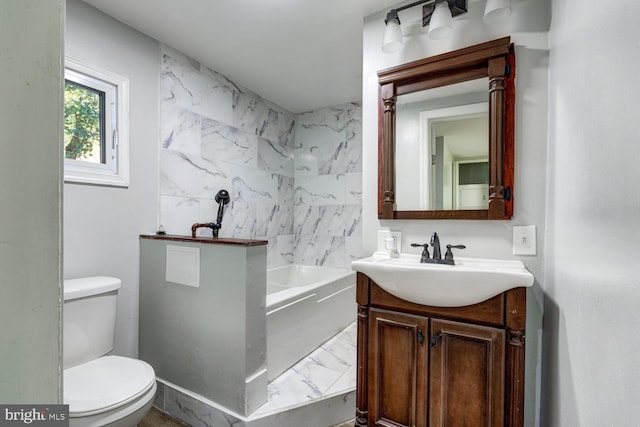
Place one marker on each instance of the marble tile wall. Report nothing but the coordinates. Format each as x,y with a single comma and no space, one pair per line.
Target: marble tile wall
328,186
218,135
294,180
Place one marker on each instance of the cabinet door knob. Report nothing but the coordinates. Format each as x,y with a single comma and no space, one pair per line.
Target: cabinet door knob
420,337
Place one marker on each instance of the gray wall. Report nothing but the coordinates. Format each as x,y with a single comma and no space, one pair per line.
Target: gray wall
591,346
102,224
211,339
30,217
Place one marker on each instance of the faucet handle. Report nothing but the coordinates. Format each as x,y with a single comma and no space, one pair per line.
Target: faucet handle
449,255
425,252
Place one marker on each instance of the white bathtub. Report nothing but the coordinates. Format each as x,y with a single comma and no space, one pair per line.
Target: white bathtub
306,306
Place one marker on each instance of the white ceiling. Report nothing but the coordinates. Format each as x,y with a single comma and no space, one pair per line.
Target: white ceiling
299,54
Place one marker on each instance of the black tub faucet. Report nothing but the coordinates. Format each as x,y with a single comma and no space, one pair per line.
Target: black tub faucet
222,198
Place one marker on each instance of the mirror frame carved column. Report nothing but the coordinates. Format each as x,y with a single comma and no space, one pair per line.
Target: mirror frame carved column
388,98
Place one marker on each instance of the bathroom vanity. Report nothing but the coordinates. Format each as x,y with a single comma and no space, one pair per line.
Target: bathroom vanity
443,345
422,365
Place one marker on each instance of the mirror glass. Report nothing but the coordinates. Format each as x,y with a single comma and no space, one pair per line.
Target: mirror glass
442,148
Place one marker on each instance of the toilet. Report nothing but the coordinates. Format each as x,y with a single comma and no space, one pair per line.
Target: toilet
100,389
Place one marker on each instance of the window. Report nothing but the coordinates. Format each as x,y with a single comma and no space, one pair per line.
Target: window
96,125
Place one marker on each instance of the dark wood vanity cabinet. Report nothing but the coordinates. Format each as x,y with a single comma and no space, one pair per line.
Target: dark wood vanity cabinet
397,359
433,366
466,381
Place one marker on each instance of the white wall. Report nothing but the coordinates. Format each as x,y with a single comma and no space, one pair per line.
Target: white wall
591,370
102,224
528,28
30,194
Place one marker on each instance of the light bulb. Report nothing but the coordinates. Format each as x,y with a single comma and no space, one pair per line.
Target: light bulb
392,39
441,20
496,11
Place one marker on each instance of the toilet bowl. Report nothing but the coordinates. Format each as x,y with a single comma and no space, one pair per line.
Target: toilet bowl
111,390
101,390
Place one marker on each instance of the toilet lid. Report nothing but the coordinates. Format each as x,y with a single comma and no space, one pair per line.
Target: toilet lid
105,383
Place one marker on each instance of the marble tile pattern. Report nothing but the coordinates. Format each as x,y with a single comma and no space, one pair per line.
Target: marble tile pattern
330,369
217,135
319,391
276,165
328,186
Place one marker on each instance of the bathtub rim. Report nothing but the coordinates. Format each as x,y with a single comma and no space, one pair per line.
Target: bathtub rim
279,299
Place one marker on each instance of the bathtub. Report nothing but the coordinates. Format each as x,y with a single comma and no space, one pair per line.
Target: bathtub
306,306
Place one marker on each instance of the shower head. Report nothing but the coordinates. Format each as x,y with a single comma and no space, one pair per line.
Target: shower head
223,196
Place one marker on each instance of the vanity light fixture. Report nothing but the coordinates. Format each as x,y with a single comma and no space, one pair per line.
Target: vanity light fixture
392,40
441,21
496,11
438,15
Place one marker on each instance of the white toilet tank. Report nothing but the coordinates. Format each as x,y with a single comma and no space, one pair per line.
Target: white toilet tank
89,318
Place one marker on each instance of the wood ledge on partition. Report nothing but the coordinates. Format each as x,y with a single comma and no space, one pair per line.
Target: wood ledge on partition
208,240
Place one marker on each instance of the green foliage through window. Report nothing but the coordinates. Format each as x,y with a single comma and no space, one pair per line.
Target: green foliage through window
83,123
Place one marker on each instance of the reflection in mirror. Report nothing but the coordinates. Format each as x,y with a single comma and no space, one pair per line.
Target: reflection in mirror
442,148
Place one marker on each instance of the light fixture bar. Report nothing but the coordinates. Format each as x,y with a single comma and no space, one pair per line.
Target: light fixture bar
392,38
409,6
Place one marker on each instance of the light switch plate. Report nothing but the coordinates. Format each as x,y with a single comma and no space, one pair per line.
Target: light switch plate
524,239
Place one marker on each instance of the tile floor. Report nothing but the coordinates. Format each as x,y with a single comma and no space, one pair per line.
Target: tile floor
330,369
155,418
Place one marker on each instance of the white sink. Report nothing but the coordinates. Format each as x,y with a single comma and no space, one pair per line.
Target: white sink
469,281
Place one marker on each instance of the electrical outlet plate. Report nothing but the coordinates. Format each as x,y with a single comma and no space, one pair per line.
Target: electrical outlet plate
524,239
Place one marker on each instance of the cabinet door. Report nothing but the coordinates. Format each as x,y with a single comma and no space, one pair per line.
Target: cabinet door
397,369
466,382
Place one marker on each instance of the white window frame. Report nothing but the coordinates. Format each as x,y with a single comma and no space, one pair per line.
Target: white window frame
116,88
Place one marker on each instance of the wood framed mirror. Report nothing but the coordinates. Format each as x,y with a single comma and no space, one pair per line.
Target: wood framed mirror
475,86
